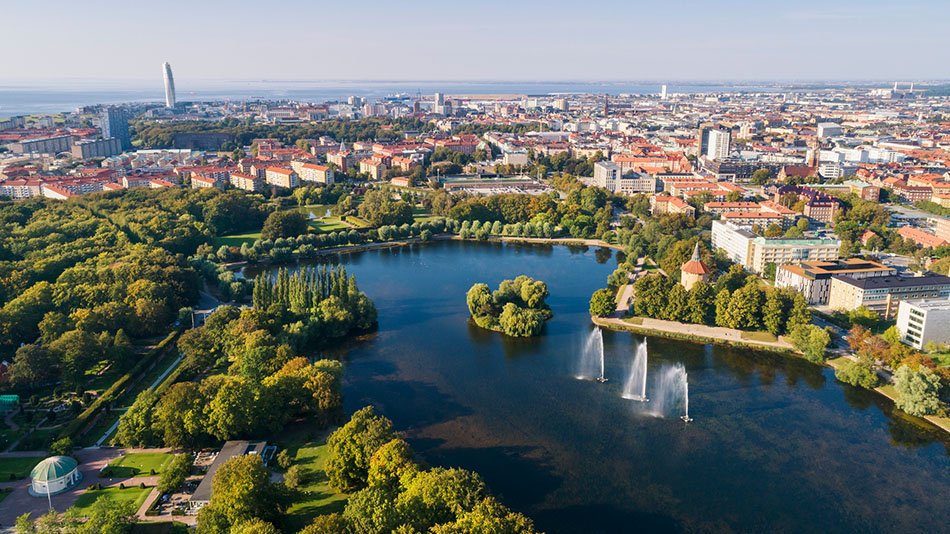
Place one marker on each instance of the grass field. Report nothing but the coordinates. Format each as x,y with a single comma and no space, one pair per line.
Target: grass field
139,463
759,336
358,222
329,224
236,240
134,495
316,495
18,467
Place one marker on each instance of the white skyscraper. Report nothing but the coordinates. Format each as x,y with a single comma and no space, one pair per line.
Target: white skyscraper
718,144
663,92
169,85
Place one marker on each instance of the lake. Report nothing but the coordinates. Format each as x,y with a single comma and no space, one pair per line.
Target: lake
776,444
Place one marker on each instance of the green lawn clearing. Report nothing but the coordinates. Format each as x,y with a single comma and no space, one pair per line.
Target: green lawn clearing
17,468
634,320
138,464
134,495
328,224
316,497
759,336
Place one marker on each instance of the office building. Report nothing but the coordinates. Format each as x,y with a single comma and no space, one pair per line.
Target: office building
663,92
718,144
829,129
114,122
169,85
813,278
883,294
922,321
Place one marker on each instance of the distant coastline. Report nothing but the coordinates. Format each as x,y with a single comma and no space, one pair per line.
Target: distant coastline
50,97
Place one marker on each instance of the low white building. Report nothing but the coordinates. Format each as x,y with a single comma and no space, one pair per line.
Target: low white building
922,321
54,475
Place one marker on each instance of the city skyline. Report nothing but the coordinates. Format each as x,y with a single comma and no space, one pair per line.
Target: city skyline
731,40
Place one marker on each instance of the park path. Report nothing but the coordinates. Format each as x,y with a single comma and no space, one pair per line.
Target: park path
712,332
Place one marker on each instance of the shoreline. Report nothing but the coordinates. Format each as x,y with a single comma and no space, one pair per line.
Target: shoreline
656,330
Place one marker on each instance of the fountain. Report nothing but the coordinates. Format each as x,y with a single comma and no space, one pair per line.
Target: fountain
672,392
592,357
636,386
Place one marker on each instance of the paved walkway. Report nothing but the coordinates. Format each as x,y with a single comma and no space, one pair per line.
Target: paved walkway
710,332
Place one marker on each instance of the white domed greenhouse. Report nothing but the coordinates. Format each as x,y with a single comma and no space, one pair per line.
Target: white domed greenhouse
54,475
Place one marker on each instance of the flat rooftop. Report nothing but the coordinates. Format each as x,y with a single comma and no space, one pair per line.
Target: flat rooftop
894,282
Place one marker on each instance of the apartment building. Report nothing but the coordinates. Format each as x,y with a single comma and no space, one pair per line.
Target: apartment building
281,177
311,172
247,182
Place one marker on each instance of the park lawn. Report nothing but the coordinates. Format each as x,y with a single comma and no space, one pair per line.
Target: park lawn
838,362
358,222
328,224
634,320
17,467
759,336
236,240
316,497
134,495
139,463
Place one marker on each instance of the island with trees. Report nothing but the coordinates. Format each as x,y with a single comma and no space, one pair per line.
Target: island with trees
517,308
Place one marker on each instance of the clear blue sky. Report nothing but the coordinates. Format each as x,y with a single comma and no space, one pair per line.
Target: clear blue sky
127,40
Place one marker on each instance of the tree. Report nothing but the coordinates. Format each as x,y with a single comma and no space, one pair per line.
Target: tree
284,224
294,477
722,304
135,425
62,446
479,300
326,524
650,295
857,373
488,516
231,412
352,446
799,315
745,307
175,473
761,176
242,492
178,418
391,464
701,304
677,305
372,510
602,302
106,515
773,314
811,341
773,230
33,365
439,496
917,390
255,526
380,207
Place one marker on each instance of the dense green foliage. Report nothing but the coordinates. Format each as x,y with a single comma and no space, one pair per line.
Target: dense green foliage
263,385
602,302
394,494
811,341
737,301
917,390
78,278
284,224
858,373
175,473
242,492
153,134
517,308
381,207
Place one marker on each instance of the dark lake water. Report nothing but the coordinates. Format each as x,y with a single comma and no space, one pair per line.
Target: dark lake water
776,444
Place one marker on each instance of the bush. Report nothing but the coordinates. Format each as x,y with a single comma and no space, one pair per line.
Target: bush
294,477
858,373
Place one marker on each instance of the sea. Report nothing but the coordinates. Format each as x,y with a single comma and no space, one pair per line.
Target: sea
24,99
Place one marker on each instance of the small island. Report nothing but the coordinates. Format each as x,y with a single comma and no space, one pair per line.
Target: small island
517,308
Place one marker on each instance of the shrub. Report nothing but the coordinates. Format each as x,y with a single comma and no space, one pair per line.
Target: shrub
858,373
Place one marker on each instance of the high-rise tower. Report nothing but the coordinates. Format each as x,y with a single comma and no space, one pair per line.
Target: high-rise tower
169,85
114,122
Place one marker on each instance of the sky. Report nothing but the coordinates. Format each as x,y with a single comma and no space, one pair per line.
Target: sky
209,41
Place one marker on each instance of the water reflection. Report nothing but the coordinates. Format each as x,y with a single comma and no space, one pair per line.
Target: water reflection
777,445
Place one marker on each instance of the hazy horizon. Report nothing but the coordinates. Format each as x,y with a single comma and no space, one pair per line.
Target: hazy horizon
114,41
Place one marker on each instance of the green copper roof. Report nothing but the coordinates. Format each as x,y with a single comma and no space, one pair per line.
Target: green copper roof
52,468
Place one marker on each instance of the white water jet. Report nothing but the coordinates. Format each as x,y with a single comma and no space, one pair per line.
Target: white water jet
672,393
636,386
591,363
